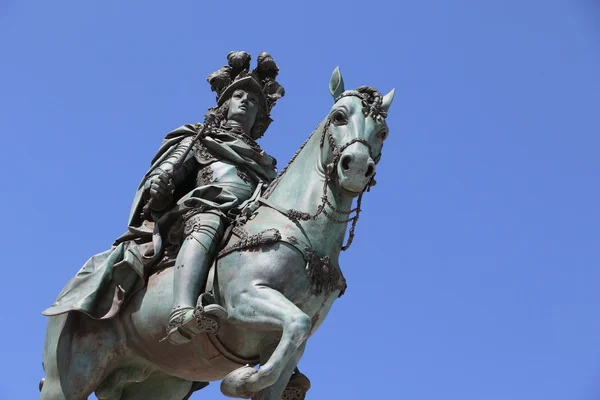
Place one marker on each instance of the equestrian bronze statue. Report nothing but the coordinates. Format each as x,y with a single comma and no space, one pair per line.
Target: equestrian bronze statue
226,268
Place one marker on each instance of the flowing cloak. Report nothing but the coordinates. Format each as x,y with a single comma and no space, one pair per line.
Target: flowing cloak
109,278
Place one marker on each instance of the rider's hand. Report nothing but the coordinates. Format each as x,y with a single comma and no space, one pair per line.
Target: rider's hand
160,188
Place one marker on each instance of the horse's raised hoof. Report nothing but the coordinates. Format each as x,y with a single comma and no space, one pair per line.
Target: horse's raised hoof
297,387
233,384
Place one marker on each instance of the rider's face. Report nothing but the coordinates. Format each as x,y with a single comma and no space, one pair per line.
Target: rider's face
243,107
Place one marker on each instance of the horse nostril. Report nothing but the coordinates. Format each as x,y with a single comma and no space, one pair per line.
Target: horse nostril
370,171
346,162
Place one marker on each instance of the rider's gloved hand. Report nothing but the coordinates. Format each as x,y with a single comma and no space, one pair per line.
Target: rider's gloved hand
160,189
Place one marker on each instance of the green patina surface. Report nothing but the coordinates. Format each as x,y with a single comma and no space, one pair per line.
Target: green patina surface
155,317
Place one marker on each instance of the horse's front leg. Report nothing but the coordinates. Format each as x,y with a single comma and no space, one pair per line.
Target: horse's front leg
275,391
265,308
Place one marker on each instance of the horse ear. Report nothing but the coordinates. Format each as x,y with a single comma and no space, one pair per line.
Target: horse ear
336,83
387,100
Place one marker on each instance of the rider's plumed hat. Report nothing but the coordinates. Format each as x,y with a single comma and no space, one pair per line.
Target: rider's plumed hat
260,81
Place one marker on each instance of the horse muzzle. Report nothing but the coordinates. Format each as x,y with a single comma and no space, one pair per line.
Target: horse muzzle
355,169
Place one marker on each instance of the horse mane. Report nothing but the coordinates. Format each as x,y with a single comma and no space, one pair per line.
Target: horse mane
269,190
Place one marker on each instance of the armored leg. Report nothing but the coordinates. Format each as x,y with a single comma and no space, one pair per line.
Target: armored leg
203,233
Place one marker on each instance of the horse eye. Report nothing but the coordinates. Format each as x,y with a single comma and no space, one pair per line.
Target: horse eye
339,118
382,135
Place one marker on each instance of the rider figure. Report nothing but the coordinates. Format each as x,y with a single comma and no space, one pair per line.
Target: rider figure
221,171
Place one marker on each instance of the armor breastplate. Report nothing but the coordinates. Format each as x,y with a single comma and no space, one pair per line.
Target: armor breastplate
227,176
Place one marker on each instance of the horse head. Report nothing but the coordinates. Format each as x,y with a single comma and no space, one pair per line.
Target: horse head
355,130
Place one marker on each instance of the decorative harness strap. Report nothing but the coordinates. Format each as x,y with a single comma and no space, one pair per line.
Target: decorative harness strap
372,105
292,214
324,276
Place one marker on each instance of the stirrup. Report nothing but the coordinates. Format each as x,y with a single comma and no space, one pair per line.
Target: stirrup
208,313
202,319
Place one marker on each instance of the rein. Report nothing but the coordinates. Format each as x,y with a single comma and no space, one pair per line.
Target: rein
330,172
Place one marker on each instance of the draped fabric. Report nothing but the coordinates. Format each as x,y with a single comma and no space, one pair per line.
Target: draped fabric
107,279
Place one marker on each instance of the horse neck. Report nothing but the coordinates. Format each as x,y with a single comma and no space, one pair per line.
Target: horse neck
301,188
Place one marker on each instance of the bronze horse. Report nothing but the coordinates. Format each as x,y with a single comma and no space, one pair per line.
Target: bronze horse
276,281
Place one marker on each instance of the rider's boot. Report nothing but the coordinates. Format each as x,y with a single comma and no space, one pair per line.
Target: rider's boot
202,233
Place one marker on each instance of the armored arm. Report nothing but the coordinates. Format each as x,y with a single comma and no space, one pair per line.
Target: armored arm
171,172
168,164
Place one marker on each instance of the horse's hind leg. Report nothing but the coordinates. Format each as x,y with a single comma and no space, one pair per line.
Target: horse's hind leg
71,361
265,308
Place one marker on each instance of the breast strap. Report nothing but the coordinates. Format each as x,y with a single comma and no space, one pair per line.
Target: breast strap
323,275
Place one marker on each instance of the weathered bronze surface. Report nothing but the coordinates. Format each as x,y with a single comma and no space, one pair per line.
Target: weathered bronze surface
226,270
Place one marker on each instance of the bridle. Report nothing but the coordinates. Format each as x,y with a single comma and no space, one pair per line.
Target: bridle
371,100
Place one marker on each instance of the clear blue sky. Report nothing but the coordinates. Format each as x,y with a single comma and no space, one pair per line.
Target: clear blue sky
475,271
